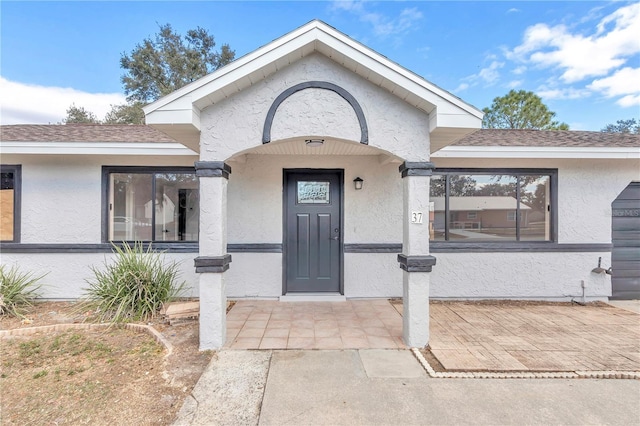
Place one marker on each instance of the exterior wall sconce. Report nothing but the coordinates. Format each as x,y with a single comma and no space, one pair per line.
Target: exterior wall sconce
357,182
314,142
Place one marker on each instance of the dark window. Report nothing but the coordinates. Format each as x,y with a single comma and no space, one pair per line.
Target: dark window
493,205
10,179
151,204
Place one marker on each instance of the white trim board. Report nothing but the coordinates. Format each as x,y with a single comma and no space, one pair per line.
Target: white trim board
96,148
537,152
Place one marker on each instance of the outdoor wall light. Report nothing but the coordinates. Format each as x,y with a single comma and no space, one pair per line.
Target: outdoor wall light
600,269
314,142
357,182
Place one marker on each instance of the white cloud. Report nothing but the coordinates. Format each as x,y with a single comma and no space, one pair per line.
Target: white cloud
624,82
349,5
32,104
461,88
383,25
581,56
629,101
490,74
519,70
513,10
562,93
514,84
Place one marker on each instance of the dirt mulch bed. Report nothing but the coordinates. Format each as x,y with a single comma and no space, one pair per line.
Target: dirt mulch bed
99,377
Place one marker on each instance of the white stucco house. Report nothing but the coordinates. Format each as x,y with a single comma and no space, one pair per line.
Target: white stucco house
309,169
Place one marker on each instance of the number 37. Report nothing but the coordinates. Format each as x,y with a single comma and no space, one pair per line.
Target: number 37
416,217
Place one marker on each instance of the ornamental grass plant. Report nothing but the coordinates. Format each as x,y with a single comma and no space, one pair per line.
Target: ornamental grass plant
134,286
18,290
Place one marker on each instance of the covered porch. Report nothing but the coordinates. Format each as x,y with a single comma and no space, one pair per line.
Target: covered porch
282,135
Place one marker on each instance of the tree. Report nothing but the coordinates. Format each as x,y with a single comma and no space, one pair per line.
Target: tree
623,126
520,110
459,185
125,114
497,190
77,115
159,66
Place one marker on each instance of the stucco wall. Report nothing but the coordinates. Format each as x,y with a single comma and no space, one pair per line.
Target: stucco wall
67,273
371,215
586,189
61,203
61,194
236,124
316,112
550,276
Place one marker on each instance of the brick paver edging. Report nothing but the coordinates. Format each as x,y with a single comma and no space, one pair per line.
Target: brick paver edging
609,374
140,328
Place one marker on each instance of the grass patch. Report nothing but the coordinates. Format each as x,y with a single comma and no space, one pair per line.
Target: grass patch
80,377
40,373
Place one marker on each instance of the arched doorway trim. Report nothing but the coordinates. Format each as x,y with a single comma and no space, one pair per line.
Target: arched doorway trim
364,132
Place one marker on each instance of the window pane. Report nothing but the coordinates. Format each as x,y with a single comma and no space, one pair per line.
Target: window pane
480,207
7,207
177,207
313,192
131,212
437,212
535,217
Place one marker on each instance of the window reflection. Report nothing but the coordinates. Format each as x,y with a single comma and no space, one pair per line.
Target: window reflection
137,214
484,207
534,214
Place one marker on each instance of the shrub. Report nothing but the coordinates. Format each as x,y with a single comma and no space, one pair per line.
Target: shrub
134,286
18,290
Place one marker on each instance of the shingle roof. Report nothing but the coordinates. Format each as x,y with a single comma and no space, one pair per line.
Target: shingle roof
82,133
548,138
142,133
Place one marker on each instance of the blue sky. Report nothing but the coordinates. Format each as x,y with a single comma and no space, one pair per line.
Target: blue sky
582,58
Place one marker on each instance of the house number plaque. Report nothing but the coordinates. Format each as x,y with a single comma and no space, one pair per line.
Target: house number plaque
416,217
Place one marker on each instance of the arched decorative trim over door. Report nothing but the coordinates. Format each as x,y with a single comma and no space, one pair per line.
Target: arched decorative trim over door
364,131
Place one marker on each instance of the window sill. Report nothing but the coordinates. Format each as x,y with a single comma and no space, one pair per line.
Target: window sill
175,247
505,247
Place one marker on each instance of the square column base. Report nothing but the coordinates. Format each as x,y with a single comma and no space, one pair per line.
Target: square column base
415,311
213,311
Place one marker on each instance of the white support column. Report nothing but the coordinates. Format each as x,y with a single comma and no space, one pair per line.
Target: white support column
213,259
415,260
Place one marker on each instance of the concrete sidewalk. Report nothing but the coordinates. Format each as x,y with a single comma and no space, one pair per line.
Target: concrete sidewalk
629,305
371,387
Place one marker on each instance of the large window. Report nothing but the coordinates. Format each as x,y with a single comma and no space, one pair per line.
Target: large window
10,203
152,204
492,205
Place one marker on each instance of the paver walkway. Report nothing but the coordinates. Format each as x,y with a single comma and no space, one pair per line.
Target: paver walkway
534,337
354,324
465,336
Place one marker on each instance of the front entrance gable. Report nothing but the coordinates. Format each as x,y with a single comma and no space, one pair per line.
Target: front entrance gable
331,103
180,113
